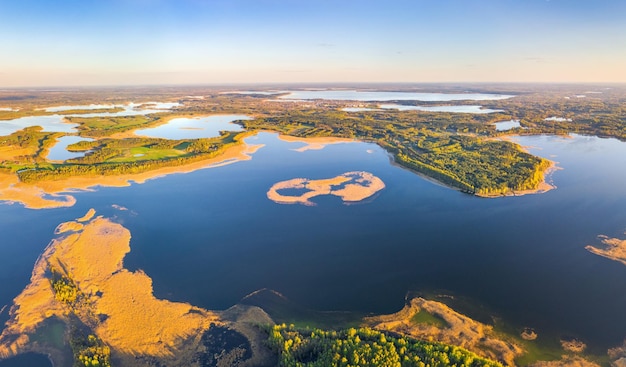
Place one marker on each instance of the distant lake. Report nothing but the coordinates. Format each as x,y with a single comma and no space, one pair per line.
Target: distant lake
212,236
451,109
354,95
507,125
59,151
194,128
54,123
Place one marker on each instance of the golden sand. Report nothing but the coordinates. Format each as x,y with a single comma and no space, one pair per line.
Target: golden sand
87,217
315,143
460,330
135,322
614,249
354,187
57,193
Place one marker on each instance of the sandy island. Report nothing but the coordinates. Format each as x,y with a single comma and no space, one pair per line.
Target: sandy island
118,304
57,193
614,249
350,187
315,143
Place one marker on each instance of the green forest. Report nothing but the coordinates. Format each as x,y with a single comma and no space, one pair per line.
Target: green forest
364,347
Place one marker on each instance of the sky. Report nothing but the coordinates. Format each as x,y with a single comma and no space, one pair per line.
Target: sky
144,42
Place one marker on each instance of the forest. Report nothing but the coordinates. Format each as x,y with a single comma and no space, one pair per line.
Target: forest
364,347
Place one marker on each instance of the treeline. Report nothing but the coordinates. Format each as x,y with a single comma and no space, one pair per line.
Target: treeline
364,347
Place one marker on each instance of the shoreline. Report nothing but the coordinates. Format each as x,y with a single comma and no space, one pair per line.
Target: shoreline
542,188
56,194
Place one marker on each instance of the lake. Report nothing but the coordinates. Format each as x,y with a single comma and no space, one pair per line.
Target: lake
451,109
354,95
507,125
212,236
59,152
194,128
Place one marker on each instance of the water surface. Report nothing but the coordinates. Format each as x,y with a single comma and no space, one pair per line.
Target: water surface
451,109
507,125
194,128
354,95
59,151
53,123
211,237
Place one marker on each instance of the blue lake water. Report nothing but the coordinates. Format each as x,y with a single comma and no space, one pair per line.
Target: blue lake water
507,125
211,237
354,95
59,151
56,122
194,128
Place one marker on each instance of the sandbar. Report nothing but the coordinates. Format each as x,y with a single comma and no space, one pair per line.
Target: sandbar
350,187
614,249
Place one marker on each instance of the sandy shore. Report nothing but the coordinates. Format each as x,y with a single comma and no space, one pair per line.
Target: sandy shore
315,143
54,194
354,187
543,186
614,249
117,303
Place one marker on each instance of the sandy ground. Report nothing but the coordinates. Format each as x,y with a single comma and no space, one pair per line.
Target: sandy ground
117,303
57,193
355,187
614,249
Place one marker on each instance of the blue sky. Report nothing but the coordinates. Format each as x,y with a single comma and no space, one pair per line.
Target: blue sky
111,42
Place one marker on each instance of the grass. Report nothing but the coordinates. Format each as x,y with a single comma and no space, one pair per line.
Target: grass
423,317
146,154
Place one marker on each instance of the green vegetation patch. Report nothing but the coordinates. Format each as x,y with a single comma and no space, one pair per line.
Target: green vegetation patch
364,347
424,317
90,352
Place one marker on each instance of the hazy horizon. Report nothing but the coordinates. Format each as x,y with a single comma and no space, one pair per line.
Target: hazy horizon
68,43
